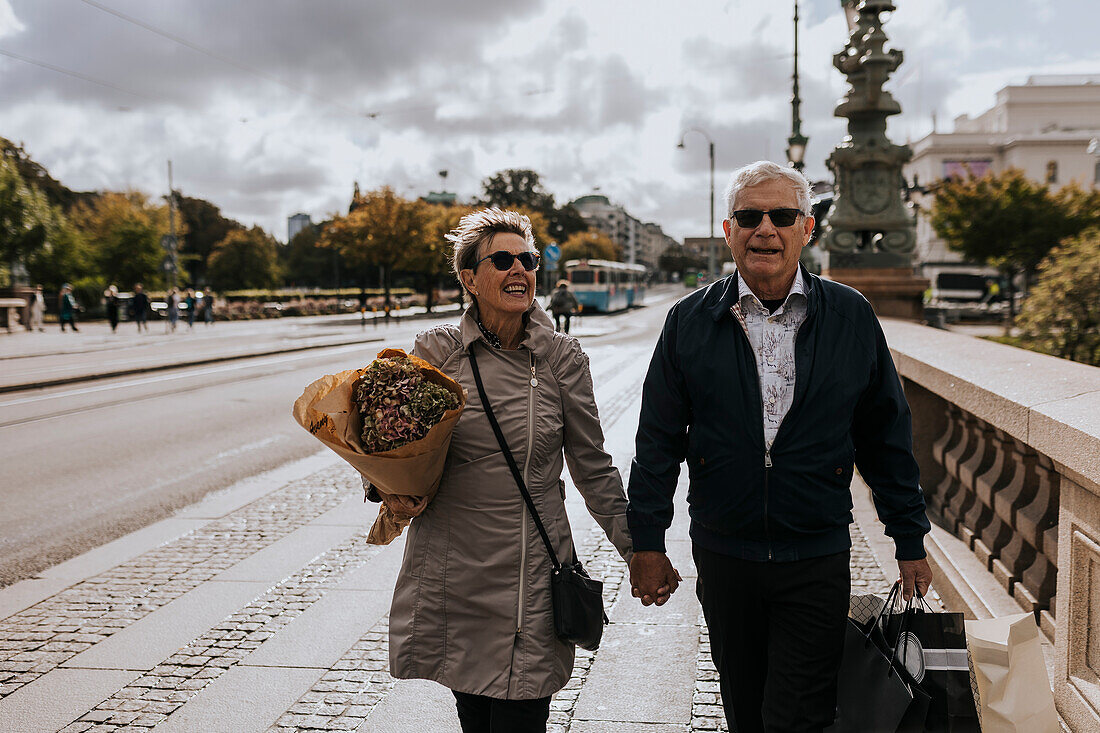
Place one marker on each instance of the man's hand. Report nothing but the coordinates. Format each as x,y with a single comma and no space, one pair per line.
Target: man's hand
404,507
914,573
652,577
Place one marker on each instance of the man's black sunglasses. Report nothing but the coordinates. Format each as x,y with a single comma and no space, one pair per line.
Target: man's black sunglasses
751,218
503,260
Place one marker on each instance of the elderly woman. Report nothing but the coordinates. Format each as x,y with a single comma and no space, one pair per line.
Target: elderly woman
471,608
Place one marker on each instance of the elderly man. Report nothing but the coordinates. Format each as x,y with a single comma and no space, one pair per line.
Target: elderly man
771,383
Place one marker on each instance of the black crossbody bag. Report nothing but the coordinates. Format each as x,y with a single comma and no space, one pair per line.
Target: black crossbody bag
577,599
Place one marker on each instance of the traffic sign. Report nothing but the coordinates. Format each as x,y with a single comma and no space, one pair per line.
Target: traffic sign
552,253
168,265
168,243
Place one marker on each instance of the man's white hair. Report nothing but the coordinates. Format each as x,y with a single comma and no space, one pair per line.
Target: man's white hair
762,171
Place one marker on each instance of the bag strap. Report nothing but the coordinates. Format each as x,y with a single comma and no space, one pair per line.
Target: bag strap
511,461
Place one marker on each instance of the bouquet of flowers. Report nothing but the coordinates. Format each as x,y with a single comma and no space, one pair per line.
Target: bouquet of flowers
392,421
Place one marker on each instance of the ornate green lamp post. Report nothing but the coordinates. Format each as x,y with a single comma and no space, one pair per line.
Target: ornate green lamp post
871,232
796,143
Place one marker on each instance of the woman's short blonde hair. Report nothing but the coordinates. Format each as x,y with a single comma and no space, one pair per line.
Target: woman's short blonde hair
481,226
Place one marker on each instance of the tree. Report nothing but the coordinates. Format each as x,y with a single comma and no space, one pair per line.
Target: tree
64,257
431,254
565,222
36,175
246,258
1062,314
205,227
123,231
379,231
25,216
516,188
521,190
1082,206
590,245
677,259
305,262
1002,219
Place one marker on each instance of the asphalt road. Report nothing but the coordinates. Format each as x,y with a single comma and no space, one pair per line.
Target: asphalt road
85,464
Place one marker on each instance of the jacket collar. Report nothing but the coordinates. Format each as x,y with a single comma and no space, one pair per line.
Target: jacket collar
538,334
721,295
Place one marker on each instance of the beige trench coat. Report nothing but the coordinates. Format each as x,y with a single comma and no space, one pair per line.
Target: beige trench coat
471,608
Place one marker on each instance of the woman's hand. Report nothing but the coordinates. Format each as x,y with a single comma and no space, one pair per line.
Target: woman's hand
404,507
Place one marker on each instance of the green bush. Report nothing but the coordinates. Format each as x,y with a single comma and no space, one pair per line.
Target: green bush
1061,315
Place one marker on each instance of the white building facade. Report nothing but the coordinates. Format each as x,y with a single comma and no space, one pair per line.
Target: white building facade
1044,128
641,243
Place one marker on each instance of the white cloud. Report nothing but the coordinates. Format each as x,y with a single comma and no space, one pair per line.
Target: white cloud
589,93
9,24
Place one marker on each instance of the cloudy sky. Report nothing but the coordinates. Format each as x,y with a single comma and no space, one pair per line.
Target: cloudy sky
270,107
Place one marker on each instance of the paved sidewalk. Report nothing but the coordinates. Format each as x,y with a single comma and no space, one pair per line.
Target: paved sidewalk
29,360
263,609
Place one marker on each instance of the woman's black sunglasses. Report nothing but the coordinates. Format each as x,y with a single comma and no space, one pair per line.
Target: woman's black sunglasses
503,260
751,218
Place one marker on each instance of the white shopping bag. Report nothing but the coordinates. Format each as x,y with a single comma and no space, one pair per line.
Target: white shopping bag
1013,688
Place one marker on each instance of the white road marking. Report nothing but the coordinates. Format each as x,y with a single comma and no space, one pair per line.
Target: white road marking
249,364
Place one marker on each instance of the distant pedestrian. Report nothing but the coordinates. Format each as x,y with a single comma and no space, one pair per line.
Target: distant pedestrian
563,304
110,301
992,291
208,309
139,308
190,302
172,310
67,307
37,309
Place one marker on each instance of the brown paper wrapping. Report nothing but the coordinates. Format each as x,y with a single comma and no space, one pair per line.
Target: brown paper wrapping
327,409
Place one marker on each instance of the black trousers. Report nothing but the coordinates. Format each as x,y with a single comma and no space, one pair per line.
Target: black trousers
776,637
557,322
481,714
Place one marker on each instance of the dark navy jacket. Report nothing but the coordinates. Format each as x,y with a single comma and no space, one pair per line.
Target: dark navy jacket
701,403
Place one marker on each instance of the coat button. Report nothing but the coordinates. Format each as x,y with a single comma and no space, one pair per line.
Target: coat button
839,471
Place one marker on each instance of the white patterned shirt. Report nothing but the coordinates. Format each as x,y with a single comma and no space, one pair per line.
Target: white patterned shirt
772,336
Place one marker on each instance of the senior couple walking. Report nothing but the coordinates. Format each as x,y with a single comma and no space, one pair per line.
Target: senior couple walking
771,384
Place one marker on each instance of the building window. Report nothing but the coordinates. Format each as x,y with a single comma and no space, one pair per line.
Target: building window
1052,171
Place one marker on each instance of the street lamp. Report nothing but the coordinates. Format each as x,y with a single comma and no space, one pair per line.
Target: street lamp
796,143
712,255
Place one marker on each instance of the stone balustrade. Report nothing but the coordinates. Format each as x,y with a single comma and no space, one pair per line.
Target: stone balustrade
1008,443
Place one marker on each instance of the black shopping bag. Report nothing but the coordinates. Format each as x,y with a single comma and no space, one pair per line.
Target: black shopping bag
932,651
871,693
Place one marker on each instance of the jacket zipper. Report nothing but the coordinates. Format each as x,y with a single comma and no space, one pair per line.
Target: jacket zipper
767,450
767,474
526,466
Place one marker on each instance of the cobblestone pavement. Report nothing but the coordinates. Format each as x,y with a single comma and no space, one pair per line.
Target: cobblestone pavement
345,695
38,639
157,694
44,636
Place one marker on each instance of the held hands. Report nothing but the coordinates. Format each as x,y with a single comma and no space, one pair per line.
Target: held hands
914,573
404,507
652,577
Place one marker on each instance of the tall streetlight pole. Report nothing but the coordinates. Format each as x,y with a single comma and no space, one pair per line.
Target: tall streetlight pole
712,255
796,143
171,246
